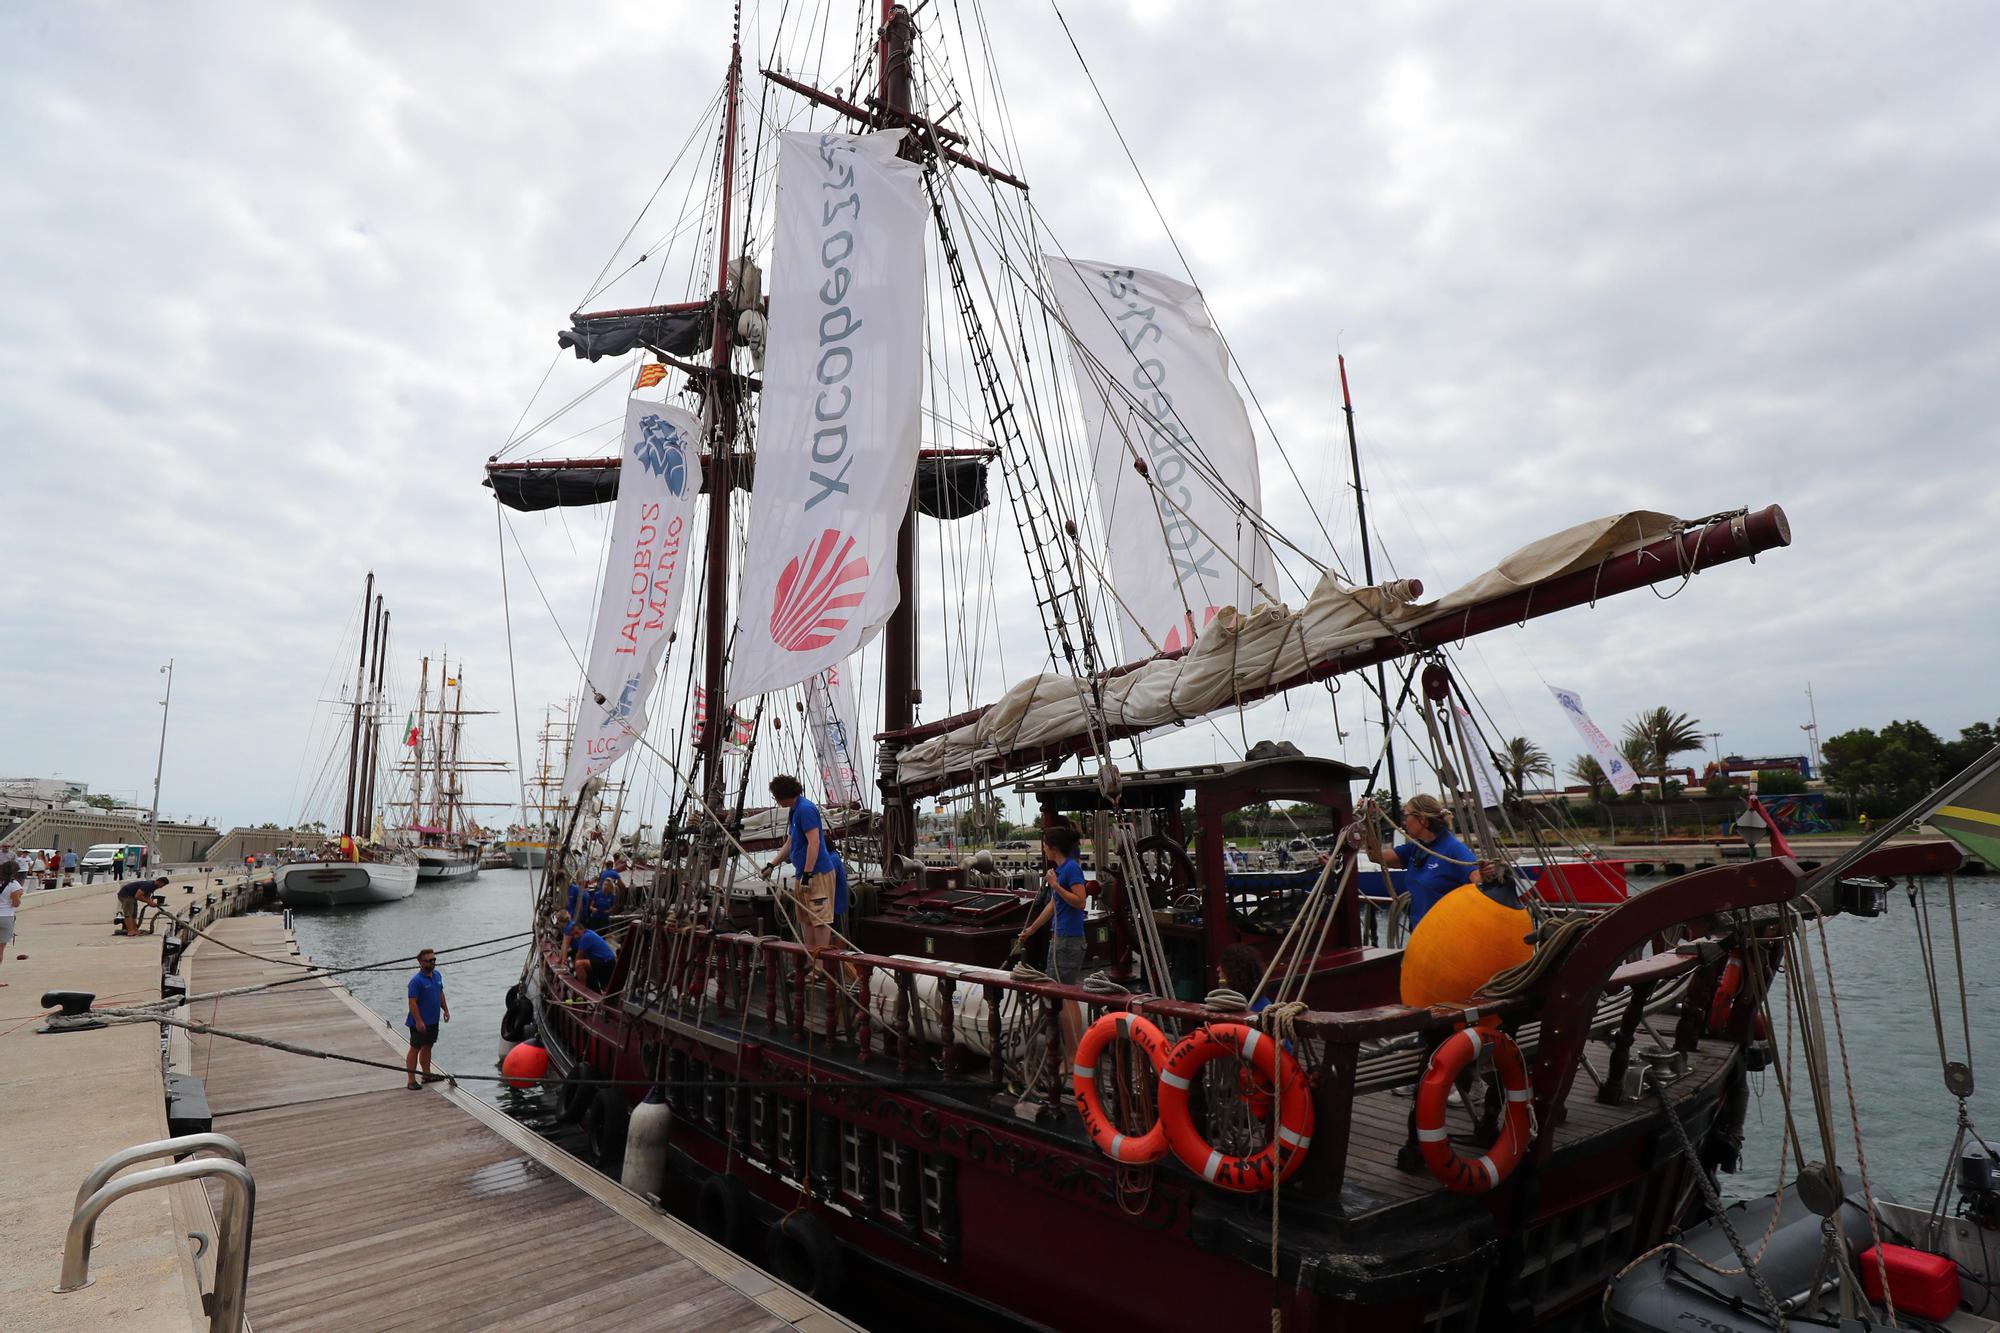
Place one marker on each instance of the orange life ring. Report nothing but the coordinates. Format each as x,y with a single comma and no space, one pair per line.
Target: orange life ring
1483,1171
1726,987
1131,1150
1278,1158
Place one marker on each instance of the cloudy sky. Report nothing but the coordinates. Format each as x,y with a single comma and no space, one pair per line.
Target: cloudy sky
280,277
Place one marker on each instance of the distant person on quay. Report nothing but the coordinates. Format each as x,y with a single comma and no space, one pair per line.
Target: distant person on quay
12,888
118,864
69,866
130,896
805,847
427,1010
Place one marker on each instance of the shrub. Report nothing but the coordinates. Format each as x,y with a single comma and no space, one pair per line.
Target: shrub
1779,782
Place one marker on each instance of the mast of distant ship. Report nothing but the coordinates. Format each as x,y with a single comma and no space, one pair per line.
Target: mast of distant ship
722,422
1368,574
360,683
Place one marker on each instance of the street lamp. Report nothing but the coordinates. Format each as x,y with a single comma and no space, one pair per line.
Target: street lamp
153,838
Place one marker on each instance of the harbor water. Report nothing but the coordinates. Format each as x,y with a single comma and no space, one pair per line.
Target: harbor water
1907,1117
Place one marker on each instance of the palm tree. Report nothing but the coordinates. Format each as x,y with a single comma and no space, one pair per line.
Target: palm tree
1585,769
1522,759
1659,734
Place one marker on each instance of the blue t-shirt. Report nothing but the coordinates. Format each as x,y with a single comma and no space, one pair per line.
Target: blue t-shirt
589,944
804,819
428,992
609,873
600,903
574,901
839,886
1069,920
1429,873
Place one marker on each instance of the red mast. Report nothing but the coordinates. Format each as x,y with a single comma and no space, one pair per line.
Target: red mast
722,418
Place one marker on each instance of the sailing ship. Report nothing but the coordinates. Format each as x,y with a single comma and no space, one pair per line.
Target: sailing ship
893,1114
527,843
449,844
364,865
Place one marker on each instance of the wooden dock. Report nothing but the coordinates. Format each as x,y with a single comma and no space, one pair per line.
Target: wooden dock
382,1208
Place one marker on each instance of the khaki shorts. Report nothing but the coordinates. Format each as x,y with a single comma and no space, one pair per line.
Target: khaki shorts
814,899
130,907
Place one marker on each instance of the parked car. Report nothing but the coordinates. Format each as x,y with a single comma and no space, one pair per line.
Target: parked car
98,858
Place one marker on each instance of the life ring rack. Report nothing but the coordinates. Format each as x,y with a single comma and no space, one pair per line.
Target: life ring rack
1277,1160
1132,1150
1483,1171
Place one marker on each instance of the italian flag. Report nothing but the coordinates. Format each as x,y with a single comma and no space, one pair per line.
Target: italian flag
410,730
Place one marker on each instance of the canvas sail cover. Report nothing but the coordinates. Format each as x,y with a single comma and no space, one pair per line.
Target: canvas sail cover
645,577
1239,653
843,386
1153,377
831,718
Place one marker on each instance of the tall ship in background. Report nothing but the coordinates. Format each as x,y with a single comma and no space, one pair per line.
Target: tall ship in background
896,1105
446,840
527,843
366,862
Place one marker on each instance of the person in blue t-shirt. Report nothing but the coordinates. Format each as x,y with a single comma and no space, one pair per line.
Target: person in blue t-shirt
594,957
573,900
599,902
427,1010
1433,861
805,846
1065,905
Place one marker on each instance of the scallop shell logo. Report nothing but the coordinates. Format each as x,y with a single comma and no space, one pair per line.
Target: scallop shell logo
1184,634
816,591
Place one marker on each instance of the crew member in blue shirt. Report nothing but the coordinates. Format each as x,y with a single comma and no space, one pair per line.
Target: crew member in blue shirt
597,904
427,1010
805,847
573,900
594,957
1065,905
1433,861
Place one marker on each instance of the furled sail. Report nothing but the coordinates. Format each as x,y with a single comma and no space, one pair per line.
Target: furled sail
843,388
1241,657
678,331
950,484
645,576
1153,377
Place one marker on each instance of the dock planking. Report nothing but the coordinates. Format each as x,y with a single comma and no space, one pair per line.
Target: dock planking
379,1207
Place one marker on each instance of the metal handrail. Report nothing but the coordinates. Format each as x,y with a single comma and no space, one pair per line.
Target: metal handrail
232,1259
219,1144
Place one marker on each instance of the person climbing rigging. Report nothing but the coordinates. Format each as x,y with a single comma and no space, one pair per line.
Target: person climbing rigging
1433,861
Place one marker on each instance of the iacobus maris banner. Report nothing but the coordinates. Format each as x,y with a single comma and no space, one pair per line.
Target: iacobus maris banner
645,578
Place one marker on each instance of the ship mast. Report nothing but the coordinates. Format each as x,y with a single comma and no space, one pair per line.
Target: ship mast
1368,575
417,759
360,683
901,692
721,480
372,742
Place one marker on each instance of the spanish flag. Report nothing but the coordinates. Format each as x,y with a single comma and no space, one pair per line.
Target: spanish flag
650,374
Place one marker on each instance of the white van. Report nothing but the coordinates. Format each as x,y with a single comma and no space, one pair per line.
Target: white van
98,859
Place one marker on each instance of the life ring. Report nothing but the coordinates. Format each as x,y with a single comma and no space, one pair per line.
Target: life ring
1726,987
1484,1171
1131,1150
1277,1159
806,1254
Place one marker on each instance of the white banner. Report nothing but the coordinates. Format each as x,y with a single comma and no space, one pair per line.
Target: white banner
645,575
832,718
1485,778
1613,763
1153,376
843,385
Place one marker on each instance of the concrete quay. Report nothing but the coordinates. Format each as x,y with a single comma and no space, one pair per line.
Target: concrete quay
73,1099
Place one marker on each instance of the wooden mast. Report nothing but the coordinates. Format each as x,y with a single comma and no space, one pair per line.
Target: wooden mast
722,419
371,744
901,690
360,683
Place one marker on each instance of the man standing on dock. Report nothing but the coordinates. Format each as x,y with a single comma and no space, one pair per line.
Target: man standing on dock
427,1010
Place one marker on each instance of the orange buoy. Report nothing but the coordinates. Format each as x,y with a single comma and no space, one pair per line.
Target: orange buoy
1461,944
525,1064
